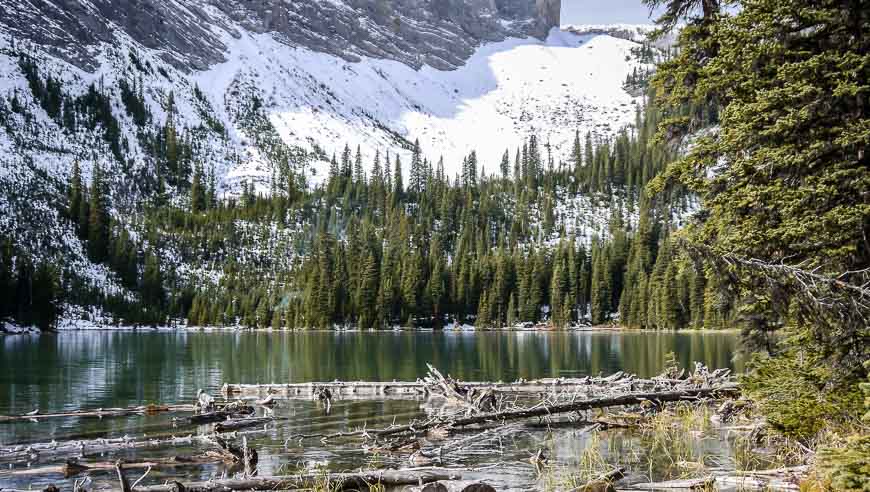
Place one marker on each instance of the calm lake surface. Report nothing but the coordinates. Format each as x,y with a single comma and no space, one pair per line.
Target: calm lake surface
89,370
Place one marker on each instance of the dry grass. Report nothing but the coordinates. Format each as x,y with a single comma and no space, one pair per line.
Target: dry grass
671,441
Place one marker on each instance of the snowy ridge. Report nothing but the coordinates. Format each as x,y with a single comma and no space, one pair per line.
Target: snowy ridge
505,91
631,32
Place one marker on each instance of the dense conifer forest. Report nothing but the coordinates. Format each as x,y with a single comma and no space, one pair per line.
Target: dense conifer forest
517,244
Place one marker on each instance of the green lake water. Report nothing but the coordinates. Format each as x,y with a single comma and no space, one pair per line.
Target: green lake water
102,369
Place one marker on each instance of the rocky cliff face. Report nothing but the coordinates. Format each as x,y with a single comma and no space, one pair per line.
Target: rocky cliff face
439,33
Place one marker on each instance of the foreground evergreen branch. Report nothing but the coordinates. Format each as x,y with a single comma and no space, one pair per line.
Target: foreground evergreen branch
782,175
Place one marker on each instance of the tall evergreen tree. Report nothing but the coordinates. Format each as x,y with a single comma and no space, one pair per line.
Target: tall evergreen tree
98,218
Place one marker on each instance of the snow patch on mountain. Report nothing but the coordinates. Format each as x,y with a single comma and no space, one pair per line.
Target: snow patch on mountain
506,91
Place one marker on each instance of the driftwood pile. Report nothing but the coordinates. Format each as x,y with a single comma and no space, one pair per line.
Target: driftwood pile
458,415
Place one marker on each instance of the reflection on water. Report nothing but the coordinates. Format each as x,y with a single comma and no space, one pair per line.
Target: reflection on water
105,369
112,369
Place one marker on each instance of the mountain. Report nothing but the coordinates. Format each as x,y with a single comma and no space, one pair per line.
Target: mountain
253,92
326,73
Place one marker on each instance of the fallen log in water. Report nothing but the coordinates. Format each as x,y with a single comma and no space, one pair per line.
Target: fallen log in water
101,412
688,484
33,452
74,468
786,479
325,481
223,451
778,479
540,410
418,389
53,450
236,424
216,416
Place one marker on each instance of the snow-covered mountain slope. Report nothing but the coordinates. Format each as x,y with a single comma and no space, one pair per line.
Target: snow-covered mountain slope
504,92
319,102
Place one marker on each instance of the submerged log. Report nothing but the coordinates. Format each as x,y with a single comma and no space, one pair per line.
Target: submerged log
224,451
101,412
688,484
33,452
151,409
759,482
74,468
53,450
236,424
329,481
216,416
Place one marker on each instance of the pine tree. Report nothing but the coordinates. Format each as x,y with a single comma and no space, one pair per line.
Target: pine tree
45,303
76,194
211,193
512,311
358,175
600,289
98,219
415,187
153,293
197,191
368,293
577,157
398,186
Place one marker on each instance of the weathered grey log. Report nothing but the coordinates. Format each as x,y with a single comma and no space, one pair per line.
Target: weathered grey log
402,389
50,488
101,412
689,484
546,410
74,468
417,389
151,409
224,451
758,483
35,452
335,481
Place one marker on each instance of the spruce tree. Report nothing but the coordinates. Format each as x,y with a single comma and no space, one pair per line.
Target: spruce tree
153,293
98,219
76,194
368,293
197,191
